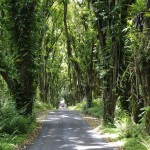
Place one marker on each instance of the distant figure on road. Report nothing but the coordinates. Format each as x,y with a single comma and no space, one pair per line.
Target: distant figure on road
62,105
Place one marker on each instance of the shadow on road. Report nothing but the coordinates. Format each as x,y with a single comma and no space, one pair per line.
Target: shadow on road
66,130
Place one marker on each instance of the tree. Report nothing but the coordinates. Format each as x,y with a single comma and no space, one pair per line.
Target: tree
145,76
23,35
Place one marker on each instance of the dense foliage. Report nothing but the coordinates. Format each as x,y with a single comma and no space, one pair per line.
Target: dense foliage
75,50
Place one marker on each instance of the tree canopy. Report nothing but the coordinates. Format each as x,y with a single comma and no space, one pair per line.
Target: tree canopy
77,50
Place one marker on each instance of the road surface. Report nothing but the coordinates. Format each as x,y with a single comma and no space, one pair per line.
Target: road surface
66,130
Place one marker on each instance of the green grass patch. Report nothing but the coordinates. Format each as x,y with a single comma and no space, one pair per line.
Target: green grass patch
109,130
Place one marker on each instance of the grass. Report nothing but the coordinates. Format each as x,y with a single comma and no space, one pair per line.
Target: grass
131,136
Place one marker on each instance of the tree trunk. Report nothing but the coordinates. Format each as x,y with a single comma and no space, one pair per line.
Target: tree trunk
89,95
22,17
69,49
89,83
145,72
110,82
43,83
136,99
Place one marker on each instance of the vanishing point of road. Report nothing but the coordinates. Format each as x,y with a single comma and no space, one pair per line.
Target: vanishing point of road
66,130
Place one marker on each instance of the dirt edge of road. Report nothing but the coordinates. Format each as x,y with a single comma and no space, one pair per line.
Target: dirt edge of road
94,123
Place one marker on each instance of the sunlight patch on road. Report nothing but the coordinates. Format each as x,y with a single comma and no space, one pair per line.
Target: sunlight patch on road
90,147
90,118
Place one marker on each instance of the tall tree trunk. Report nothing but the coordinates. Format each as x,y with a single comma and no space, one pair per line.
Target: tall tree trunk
145,73
146,92
110,78
89,84
69,49
136,99
79,88
124,85
22,16
43,80
42,76
113,86
112,75
72,62
107,78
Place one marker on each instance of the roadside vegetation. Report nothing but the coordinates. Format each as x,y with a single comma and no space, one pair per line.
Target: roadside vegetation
15,129
75,50
130,136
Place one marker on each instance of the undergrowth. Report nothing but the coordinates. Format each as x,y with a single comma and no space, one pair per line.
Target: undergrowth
14,128
40,106
131,135
96,110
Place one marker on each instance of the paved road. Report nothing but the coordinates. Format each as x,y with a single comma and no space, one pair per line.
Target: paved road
66,130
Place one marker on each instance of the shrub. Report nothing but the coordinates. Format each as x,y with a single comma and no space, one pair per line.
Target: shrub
18,124
40,106
133,144
10,121
145,141
7,146
127,127
96,110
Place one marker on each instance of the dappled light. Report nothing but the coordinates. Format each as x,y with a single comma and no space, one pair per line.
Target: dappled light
90,56
66,130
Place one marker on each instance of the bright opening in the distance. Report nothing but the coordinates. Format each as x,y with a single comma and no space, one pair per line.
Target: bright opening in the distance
80,1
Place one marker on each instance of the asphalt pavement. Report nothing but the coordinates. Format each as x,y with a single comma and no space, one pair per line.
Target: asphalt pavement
66,130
